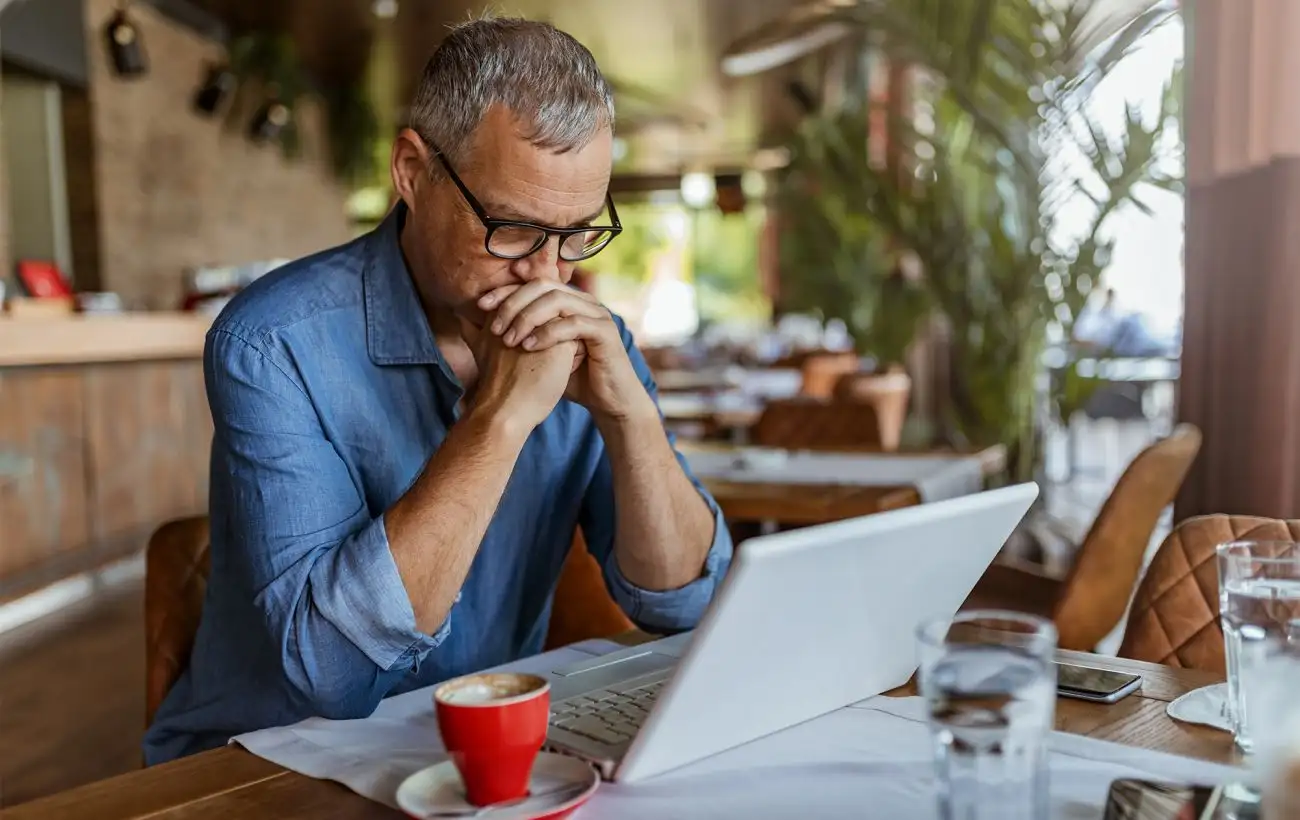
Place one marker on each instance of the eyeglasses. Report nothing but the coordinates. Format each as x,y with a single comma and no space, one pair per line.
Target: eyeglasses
511,239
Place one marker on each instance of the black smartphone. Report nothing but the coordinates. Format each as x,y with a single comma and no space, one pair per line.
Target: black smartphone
1096,685
1132,799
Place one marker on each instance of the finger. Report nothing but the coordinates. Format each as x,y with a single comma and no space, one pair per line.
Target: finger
568,329
509,308
547,307
495,296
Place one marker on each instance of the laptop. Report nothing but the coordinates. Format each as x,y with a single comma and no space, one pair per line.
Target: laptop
806,622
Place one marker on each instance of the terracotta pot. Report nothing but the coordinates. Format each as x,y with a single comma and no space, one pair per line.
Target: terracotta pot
888,394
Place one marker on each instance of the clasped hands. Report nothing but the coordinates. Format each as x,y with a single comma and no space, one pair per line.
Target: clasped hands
542,341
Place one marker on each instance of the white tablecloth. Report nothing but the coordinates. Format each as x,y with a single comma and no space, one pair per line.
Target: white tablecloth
936,477
868,760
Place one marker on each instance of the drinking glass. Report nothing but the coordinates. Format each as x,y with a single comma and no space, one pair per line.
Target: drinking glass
1259,607
989,682
1276,757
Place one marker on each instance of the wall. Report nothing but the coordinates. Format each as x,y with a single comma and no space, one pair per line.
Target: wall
176,190
6,268
32,123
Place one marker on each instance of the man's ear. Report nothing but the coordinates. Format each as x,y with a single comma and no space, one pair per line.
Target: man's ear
409,166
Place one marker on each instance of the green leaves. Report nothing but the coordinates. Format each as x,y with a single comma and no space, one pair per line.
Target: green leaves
986,193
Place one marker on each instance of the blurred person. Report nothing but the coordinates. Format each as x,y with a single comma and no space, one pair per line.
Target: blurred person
409,427
1108,330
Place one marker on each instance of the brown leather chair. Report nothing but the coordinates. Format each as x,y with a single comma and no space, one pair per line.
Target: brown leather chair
888,394
821,372
1175,615
583,608
816,423
1090,601
176,577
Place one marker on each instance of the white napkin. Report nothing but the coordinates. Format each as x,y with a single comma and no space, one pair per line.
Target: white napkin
874,755
372,756
1207,706
936,477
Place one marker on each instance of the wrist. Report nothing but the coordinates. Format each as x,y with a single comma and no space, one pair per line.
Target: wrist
640,417
497,421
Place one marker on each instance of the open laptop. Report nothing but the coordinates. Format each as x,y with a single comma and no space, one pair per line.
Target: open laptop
806,622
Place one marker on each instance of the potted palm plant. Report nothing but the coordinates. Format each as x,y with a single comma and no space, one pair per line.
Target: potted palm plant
840,263
1002,88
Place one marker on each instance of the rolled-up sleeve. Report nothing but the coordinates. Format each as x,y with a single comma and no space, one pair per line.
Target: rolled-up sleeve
653,610
290,522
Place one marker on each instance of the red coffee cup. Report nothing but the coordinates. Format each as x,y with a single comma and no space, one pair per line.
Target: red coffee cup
493,726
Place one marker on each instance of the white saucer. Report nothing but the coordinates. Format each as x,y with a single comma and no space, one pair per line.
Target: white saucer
438,789
1206,706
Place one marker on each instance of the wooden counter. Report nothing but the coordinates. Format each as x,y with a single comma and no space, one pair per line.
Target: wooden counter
104,435
88,339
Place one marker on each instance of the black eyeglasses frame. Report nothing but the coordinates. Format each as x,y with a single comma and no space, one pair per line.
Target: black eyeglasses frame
491,224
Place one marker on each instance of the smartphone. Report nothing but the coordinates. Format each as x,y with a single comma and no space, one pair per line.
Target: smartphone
1096,685
1132,799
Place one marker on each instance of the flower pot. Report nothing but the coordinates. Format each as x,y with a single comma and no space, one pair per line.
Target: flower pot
887,393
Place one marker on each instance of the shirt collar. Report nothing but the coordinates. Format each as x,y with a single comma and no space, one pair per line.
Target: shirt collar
397,330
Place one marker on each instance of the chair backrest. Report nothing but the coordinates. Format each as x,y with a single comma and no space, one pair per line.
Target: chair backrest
807,422
1097,589
176,578
1175,615
821,372
582,607
888,394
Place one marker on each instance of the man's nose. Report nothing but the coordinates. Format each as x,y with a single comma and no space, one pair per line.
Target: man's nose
543,263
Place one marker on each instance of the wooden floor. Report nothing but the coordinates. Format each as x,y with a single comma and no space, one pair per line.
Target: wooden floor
72,685
72,696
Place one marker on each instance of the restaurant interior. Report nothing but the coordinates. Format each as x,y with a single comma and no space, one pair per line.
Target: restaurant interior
867,271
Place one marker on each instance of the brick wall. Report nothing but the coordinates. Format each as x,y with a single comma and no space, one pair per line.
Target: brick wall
176,190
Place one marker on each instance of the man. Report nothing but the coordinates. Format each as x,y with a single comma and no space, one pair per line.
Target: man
409,428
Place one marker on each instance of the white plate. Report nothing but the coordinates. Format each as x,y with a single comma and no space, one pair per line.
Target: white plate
438,789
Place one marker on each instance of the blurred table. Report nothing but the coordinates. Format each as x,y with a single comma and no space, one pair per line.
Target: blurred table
759,382
697,414
805,503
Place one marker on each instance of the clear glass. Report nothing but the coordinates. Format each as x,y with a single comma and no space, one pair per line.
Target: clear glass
1259,607
989,682
1276,758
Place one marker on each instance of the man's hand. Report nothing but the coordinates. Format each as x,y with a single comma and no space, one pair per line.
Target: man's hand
524,384
543,314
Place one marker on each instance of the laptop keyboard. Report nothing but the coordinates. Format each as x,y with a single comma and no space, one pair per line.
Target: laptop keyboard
605,716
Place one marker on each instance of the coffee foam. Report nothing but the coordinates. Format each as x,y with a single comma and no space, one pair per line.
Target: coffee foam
479,689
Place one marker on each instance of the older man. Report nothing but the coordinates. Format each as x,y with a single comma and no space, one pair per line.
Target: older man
409,428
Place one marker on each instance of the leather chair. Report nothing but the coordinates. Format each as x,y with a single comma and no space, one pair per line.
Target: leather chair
176,578
822,371
1090,601
1175,615
816,423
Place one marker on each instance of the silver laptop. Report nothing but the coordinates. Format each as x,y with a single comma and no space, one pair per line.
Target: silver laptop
806,622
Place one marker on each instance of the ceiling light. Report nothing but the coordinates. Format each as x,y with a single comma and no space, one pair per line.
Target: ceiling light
385,9
698,189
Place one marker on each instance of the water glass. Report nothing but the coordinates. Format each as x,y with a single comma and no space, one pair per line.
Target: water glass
1276,757
1259,609
989,682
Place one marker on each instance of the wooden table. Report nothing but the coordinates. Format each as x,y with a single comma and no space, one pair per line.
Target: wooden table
803,504
232,784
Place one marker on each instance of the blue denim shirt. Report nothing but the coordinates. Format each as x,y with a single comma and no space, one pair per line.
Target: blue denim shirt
328,395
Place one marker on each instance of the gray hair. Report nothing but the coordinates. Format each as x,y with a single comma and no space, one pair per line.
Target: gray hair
544,77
